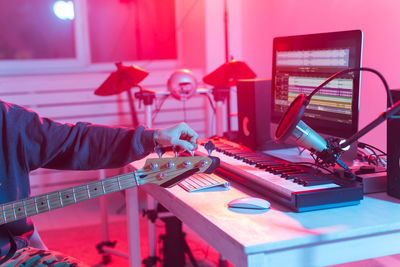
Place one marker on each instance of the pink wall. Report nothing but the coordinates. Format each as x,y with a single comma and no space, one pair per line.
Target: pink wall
191,33
379,20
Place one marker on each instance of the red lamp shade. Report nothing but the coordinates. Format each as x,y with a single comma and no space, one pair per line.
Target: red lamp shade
227,74
123,79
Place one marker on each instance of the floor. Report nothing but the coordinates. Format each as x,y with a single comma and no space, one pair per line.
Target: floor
67,221
81,224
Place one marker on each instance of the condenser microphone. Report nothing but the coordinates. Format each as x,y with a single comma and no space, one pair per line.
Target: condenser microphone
292,127
327,151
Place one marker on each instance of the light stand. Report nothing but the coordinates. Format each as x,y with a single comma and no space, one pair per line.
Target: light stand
123,79
222,79
220,95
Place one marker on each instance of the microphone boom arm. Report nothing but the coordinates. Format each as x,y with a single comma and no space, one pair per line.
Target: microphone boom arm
381,118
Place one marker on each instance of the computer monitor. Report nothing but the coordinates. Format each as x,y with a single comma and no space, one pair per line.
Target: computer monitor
302,62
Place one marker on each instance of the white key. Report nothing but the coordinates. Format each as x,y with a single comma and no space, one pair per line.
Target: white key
262,177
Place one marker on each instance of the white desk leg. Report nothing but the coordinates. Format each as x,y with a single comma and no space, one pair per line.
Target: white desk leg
132,214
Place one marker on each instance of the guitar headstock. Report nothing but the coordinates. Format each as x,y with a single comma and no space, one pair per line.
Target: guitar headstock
167,172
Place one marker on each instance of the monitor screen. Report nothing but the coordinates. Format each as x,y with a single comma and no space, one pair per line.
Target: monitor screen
302,62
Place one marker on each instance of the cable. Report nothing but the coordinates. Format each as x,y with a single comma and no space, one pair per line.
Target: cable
177,29
158,108
362,145
184,112
373,157
389,94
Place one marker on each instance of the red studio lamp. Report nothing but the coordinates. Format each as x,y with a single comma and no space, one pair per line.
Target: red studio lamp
228,73
123,79
222,79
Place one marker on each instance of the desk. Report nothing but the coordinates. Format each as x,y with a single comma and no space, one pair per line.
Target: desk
280,237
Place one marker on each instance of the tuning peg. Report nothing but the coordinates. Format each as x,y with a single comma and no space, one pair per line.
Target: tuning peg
154,165
209,146
176,150
159,151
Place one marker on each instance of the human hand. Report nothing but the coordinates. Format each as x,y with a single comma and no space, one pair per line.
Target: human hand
180,135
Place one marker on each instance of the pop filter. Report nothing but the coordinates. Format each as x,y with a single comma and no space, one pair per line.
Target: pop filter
291,125
291,118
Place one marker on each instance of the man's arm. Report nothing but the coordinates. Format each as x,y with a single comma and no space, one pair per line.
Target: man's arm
42,142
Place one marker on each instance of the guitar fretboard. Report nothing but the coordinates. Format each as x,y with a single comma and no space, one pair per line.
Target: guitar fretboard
27,207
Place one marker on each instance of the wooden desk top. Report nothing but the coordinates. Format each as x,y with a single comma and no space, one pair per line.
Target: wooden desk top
241,233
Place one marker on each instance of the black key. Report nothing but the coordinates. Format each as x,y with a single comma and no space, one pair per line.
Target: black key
317,182
292,175
266,164
305,178
282,172
270,164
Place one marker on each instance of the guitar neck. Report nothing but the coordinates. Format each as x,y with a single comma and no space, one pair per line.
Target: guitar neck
21,209
165,172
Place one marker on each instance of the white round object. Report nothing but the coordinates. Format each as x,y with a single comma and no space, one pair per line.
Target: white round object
182,84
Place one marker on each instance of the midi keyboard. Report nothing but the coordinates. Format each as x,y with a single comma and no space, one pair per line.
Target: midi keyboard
297,186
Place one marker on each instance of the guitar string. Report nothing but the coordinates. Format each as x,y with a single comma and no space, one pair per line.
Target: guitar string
127,176
83,188
123,178
54,196
57,195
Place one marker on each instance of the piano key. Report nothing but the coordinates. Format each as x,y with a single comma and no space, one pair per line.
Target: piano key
295,175
316,182
273,182
240,167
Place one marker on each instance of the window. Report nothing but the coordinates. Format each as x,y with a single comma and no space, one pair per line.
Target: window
141,30
29,29
39,36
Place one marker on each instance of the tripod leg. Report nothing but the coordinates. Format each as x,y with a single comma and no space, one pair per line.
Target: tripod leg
189,252
222,261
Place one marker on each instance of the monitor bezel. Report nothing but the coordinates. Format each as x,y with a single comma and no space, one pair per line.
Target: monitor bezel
353,40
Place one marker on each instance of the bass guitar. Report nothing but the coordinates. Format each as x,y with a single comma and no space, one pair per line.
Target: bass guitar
165,172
